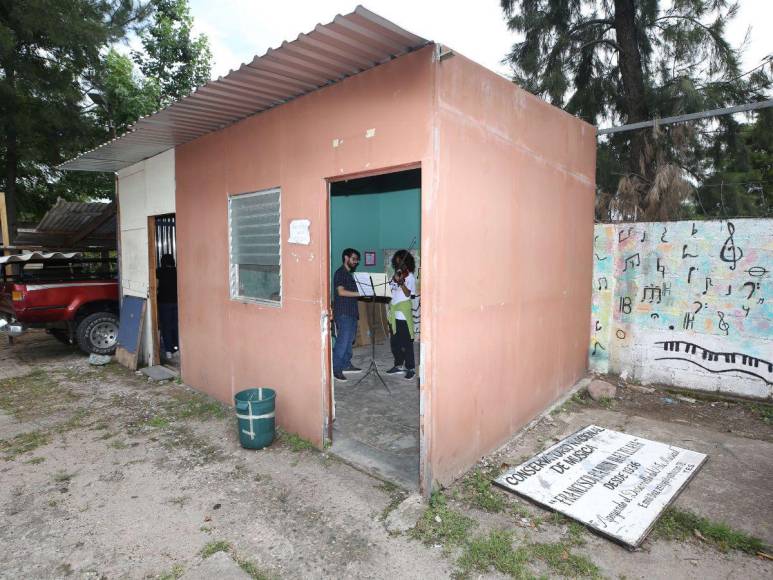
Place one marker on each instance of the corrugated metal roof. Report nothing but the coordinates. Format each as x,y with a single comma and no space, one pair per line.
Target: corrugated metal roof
38,257
328,54
67,217
73,224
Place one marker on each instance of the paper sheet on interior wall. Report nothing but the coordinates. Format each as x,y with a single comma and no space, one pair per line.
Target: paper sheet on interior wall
685,303
299,232
614,483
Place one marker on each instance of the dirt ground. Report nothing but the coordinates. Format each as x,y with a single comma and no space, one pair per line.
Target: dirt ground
106,475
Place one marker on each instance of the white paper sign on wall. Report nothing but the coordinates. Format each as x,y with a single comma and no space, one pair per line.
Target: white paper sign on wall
612,482
299,232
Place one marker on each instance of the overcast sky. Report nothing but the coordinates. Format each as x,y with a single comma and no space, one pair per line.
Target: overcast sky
240,29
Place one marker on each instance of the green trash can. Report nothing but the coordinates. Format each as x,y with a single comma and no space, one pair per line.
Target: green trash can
255,417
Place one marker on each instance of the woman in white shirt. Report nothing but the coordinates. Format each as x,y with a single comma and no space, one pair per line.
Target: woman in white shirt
403,286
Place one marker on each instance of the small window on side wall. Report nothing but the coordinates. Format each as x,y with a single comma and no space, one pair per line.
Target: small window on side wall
255,248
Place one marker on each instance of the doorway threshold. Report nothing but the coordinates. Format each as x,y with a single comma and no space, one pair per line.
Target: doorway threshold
378,429
399,469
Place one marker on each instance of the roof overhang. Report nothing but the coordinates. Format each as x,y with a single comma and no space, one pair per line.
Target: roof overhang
330,53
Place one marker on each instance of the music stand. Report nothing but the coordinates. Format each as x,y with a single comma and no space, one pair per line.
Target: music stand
372,367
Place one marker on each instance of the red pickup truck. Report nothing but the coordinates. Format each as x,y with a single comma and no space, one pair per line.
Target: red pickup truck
74,298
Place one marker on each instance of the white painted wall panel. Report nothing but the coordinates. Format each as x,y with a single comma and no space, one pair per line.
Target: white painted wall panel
144,189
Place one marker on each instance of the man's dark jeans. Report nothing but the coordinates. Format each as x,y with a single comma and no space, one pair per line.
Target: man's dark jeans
167,314
346,329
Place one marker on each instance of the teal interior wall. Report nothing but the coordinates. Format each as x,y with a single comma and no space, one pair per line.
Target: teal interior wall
373,222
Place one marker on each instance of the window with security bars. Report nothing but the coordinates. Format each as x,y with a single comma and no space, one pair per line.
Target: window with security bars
254,236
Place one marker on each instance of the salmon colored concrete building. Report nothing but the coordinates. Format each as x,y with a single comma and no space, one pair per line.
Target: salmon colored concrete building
506,209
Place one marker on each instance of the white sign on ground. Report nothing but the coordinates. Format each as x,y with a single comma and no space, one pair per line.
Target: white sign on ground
615,483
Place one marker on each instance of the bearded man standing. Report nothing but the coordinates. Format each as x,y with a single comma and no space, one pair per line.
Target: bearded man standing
345,313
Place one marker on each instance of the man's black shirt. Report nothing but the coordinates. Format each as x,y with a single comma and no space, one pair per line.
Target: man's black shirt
344,305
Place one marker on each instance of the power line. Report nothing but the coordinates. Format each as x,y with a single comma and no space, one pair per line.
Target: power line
764,63
688,117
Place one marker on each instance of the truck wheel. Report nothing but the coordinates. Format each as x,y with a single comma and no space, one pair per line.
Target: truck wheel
98,333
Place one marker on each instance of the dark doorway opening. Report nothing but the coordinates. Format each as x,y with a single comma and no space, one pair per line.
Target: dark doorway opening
162,234
376,424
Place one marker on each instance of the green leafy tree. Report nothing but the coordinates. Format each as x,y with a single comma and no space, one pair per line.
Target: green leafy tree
176,60
121,95
47,47
624,61
739,181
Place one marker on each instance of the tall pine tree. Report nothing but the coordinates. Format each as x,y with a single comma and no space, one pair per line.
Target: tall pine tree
624,61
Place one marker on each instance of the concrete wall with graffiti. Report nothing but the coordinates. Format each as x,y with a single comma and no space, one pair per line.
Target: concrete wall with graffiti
688,304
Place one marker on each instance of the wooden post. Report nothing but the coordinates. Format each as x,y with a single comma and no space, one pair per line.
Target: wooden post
6,236
4,222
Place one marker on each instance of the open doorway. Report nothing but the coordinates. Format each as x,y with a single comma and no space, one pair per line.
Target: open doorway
162,271
376,402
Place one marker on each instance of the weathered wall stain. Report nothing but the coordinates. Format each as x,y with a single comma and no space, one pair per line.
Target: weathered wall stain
685,303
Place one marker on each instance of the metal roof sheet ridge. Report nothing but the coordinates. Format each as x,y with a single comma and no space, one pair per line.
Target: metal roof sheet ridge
227,118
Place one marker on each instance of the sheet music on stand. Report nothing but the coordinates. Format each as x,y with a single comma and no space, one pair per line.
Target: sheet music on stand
372,284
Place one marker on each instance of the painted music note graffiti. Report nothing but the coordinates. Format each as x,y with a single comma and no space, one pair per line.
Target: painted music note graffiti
723,326
633,261
730,252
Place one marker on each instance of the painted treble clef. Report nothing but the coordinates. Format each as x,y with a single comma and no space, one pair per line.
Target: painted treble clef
723,326
730,252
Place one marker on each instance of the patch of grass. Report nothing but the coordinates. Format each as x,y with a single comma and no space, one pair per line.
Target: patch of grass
763,411
74,422
561,560
479,491
296,442
251,569
576,533
188,404
201,450
24,443
607,402
519,510
35,461
118,444
677,524
179,501
578,399
495,551
64,569
396,497
34,395
557,519
158,422
76,375
441,525
214,547
206,529
176,572
62,476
